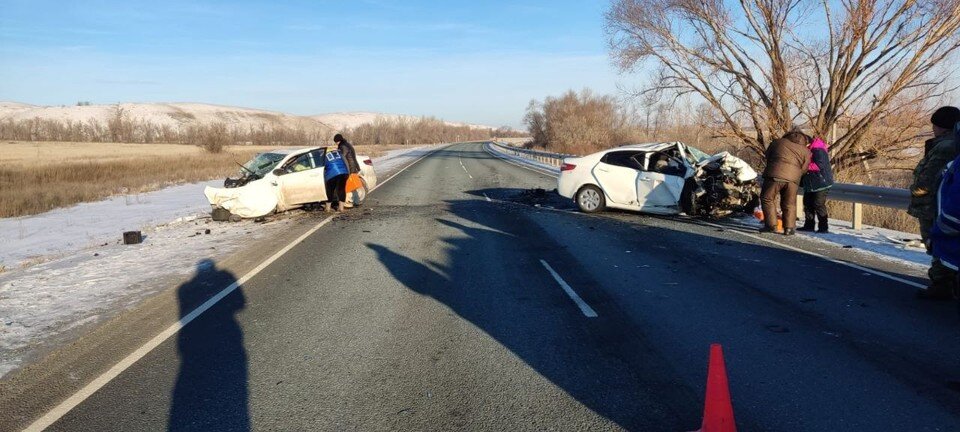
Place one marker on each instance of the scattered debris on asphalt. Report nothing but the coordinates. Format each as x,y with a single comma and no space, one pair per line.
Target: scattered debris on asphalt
132,237
540,198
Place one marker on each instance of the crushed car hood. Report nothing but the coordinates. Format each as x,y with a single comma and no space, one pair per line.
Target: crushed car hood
732,166
255,199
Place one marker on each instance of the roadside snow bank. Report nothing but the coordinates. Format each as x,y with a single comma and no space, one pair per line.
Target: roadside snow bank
886,244
68,268
55,233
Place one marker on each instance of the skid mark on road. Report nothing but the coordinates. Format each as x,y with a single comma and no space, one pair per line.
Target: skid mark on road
584,307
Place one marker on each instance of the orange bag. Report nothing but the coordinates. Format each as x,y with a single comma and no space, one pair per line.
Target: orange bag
354,183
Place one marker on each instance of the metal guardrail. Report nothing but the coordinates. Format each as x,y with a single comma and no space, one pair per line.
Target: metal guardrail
857,194
554,159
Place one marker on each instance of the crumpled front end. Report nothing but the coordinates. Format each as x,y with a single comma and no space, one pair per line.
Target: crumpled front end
725,184
252,200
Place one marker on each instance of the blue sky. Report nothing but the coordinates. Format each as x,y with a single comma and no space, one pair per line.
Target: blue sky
475,61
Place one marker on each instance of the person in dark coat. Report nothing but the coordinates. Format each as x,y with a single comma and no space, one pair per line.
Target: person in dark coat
348,152
945,234
787,160
816,185
353,165
938,152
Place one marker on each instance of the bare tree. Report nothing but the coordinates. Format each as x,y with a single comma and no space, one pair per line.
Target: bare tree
767,65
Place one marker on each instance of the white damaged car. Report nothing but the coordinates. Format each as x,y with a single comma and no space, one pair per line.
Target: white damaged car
281,180
661,178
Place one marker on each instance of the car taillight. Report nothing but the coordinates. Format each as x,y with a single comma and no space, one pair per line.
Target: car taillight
368,162
567,167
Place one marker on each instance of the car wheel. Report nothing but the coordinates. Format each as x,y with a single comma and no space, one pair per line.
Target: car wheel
590,199
220,214
688,198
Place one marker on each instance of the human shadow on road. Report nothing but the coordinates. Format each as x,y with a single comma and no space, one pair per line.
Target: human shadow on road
519,306
211,388
491,277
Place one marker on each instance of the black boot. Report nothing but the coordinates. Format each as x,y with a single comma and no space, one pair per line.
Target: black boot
824,225
808,224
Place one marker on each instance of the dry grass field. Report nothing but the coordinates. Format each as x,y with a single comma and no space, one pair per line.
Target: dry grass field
40,176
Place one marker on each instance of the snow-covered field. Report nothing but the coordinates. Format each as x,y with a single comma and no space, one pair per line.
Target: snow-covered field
175,115
68,267
349,120
159,114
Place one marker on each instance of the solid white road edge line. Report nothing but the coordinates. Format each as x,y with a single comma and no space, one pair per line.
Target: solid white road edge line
77,398
584,307
833,260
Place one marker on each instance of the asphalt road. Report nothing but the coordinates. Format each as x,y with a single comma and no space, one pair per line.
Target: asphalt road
431,309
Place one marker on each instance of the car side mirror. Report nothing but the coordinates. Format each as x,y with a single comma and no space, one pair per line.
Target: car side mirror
278,172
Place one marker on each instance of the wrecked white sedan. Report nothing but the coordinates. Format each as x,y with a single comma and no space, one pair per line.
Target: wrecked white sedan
281,180
660,178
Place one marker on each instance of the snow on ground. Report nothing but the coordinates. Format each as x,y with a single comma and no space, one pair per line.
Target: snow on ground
62,231
68,268
178,114
889,245
171,115
349,120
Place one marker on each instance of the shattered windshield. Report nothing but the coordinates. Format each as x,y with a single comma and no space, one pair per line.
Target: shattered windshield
262,163
696,155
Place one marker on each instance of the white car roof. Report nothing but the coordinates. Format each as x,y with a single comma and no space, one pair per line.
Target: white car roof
287,151
646,146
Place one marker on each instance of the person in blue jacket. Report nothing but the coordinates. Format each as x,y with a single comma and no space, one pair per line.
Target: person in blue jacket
816,184
945,234
335,175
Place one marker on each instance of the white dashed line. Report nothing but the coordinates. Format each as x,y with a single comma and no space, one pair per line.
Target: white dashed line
464,168
584,307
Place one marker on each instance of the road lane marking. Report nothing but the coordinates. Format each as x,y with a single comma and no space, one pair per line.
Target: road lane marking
464,167
60,410
584,307
833,260
88,390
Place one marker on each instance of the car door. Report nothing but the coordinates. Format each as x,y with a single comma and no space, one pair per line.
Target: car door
617,174
660,183
302,180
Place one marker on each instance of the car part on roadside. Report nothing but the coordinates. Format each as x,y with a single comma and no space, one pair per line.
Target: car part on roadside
132,237
716,192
